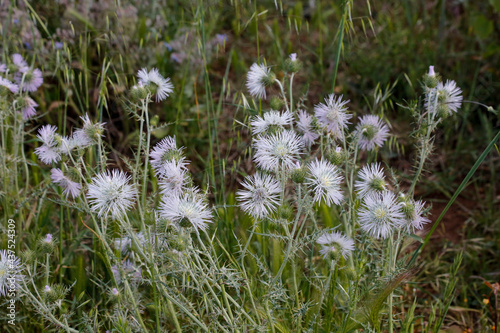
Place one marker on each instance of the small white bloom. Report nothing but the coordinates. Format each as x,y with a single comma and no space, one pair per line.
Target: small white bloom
10,269
372,180
414,220
257,79
371,132
89,133
110,192
260,196
305,126
163,153
293,57
172,180
333,115
271,119
380,214
188,208
277,151
69,186
48,152
335,243
325,182
449,97
160,86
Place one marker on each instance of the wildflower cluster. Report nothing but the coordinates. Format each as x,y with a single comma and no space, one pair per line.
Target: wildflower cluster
17,81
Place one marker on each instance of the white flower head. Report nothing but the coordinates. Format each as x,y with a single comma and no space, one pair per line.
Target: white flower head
69,186
371,132
325,182
336,244
260,196
29,80
111,193
371,180
258,78
89,133
10,269
333,115
278,151
449,97
173,178
48,152
271,120
165,152
380,214
159,86
293,57
305,126
14,88
414,220
188,209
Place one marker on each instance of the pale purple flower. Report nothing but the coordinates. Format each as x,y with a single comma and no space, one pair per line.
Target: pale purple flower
69,186
431,71
293,57
14,88
20,63
30,80
28,109
260,196
372,132
333,115
305,126
3,68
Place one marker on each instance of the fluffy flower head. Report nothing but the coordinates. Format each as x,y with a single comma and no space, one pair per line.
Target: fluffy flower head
260,196
271,120
336,244
371,180
277,151
111,193
333,115
380,214
258,78
325,182
372,132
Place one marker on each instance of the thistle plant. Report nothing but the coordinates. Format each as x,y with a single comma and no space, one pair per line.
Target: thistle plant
330,218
